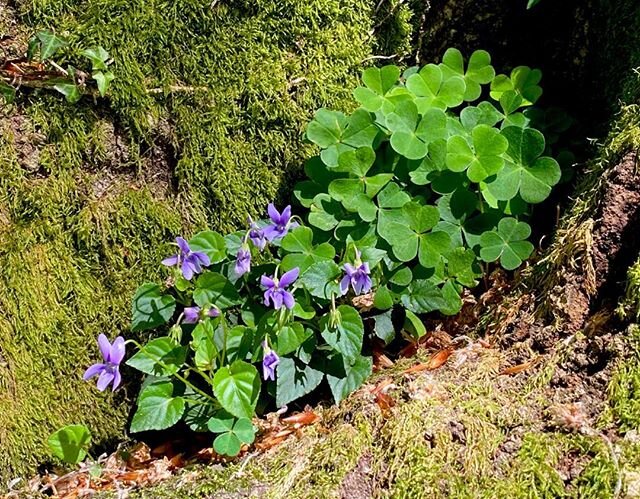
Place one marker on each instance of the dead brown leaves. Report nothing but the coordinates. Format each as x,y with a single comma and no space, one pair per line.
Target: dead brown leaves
141,466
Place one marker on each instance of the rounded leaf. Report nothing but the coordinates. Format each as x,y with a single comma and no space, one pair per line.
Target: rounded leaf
237,388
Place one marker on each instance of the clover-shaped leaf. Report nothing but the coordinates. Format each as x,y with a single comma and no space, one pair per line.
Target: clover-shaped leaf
356,194
484,113
527,173
523,81
457,218
412,134
336,133
232,433
405,229
462,265
392,196
434,162
435,88
356,161
508,243
483,159
479,70
378,81
325,212
301,251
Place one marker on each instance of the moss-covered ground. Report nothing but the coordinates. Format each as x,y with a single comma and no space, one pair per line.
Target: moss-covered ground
203,126
461,431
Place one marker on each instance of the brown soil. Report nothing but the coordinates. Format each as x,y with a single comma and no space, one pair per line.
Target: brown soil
614,246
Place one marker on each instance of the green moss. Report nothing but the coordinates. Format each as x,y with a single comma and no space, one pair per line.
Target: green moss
629,307
624,387
457,432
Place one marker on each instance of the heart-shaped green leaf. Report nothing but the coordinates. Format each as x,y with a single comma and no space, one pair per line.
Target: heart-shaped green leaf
237,388
70,443
158,408
211,243
151,308
294,379
348,332
215,289
160,357
347,375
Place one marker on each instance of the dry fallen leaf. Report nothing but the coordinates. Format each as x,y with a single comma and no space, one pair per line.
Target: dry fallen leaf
385,403
435,361
301,419
521,367
380,360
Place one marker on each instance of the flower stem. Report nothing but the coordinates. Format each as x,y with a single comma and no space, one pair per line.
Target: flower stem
177,375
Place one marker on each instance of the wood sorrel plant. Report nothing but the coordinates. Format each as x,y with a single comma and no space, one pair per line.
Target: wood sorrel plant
408,195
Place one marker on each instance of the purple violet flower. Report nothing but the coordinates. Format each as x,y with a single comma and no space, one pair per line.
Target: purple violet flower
358,277
269,362
275,289
243,261
281,223
190,262
256,234
108,370
192,315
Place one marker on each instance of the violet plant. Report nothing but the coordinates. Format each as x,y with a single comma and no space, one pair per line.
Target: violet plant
410,193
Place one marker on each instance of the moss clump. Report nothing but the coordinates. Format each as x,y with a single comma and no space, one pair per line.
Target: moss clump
629,307
624,387
203,126
460,431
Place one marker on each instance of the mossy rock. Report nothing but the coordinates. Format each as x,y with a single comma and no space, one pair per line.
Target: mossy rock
203,127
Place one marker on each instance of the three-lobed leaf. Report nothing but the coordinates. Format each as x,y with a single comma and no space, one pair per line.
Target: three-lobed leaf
508,244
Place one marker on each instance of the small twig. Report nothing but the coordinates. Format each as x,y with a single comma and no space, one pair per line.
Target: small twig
176,89
379,5
245,461
62,70
374,57
422,31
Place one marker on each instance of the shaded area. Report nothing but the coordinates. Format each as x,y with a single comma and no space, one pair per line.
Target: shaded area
586,49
